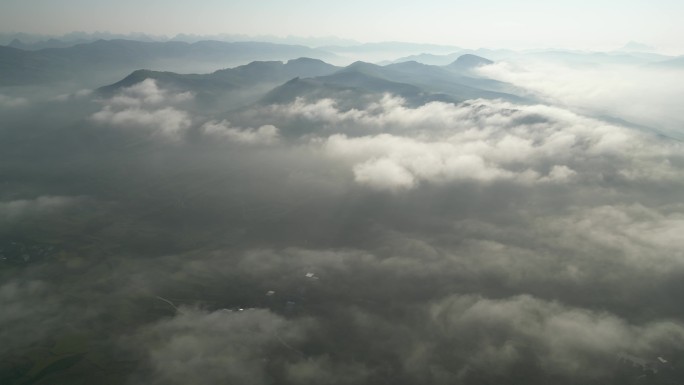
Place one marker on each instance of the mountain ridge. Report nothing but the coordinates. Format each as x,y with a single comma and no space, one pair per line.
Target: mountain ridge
304,77
90,62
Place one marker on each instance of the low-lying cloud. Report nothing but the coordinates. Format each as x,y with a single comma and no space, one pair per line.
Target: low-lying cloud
267,134
209,347
148,93
18,208
145,106
314,243
10,102
647,96
166,122
483,141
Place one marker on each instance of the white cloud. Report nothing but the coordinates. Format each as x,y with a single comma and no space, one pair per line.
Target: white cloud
482,140
167,122
321,109
559,174
12,102
75,95
383,174
646,237
148,93
389,162
646,96
202,347
14,209
146,106
267,134
499,331
389,110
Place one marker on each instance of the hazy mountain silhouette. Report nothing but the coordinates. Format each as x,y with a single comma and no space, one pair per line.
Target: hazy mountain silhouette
411,80
446,59
457,81
114,58
226,80
19,67
415,82
469,62
562,56
390,46
673,63
49,43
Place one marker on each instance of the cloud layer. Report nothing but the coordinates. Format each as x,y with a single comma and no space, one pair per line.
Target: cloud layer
651,93
147,238
482,141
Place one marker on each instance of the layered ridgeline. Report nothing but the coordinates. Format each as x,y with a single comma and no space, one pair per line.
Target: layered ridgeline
90,63
313,79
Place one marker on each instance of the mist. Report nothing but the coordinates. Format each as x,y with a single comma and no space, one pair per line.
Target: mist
295,222
651,91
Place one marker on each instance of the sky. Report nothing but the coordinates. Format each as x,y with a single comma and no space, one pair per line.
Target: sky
591,25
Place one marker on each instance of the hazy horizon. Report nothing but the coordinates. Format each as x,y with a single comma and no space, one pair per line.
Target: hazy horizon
310,41
526,24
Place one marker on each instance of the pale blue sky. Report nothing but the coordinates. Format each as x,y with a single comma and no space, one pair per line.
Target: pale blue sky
581,24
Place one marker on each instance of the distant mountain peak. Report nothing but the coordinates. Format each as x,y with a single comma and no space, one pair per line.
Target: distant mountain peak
362,65
409,64
471,61
359,63
305,60
16,43
634,46
468,62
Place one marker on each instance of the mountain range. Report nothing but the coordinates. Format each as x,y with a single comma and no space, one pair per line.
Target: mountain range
313,78
89,63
